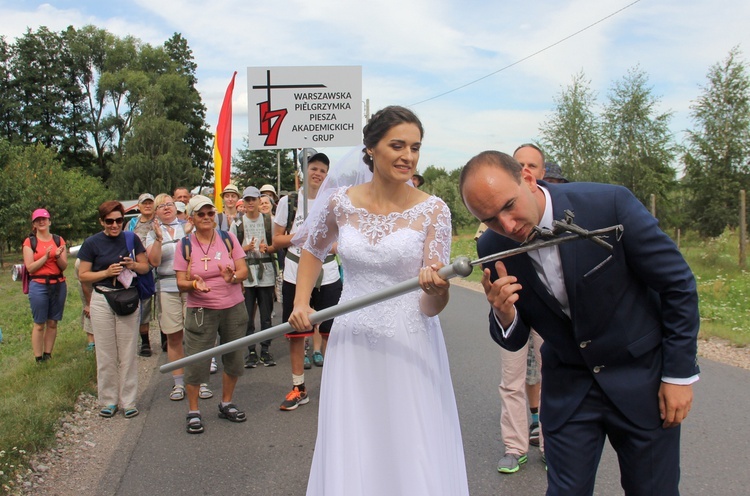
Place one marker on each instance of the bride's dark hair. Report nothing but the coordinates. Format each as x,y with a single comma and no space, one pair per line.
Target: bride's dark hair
382,122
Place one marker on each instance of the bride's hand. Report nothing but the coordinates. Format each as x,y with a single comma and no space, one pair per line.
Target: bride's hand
299,319
431,283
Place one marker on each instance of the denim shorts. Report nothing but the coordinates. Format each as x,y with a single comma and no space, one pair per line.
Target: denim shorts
47,301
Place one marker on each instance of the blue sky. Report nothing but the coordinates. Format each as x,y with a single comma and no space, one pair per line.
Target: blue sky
412,50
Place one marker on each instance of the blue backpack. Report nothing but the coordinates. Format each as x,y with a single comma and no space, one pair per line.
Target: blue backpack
143,282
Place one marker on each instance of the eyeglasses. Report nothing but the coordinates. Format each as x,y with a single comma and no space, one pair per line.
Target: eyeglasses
117,221
165,205
200,215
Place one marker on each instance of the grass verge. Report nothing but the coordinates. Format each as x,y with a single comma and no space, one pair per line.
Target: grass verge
33,397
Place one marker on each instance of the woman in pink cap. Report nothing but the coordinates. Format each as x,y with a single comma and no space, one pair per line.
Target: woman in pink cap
46,260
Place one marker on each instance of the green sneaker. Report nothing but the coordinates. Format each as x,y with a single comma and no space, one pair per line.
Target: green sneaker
510,463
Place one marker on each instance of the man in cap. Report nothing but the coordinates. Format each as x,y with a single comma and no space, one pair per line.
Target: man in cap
268,189
181,215
141,226
255,232
229,196
553,173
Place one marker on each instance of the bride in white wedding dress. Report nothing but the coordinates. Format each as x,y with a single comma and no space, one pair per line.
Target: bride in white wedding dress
388,423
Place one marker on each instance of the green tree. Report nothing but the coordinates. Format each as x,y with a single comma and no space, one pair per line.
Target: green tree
33,177
93,52
639,143
9,101
444,185
718,150
193,112
155,157
572,135
433,173
52,106
259,167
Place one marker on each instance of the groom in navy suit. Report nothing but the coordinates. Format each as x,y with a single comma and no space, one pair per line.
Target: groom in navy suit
620,328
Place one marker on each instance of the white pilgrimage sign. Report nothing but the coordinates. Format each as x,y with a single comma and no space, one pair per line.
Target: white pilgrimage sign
304,107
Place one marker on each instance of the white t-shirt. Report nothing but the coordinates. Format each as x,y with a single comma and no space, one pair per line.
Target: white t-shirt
330,269
256,229
165,275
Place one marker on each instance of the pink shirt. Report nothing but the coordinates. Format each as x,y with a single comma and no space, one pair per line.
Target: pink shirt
205,261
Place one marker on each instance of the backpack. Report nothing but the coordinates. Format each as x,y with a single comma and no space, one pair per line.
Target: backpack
23,274
240,226
143,282
187,244
33,241
291,211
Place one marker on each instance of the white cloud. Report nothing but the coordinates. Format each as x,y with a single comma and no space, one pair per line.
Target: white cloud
414,51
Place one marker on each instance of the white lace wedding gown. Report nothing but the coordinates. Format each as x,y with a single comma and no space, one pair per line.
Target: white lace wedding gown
388,423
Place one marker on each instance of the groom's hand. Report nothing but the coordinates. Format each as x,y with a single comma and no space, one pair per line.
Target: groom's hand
502,294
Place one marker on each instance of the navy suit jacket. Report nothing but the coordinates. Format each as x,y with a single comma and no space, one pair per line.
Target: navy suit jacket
634,318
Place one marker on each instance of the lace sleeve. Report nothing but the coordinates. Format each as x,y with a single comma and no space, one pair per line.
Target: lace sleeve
437,247
322,228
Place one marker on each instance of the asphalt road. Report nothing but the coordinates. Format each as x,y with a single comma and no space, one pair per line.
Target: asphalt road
270,454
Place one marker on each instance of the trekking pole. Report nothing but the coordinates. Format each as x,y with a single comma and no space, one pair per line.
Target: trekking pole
461,266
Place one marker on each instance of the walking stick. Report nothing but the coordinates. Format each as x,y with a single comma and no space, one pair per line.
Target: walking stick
563,232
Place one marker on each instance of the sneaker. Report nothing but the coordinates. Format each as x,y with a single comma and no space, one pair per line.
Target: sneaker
295,398
267,359
252,360
534,434
214,366
308,363
145,350
318,359
91,347
510,463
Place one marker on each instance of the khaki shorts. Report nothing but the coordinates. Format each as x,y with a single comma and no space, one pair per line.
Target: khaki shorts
145,310
171,311
201,327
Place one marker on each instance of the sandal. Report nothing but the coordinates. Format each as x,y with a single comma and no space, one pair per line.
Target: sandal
194,423
131,412
204,393
231,413
178,393
108,411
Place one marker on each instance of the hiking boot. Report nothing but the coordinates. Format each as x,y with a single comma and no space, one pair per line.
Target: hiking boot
295,398
145,350
318,359
252,360
267,359
510,463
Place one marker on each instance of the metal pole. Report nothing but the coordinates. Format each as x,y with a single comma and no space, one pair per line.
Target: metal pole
304,184
278,172
460,267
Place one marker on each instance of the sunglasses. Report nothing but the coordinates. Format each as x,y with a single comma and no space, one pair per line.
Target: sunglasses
200,215
117,221
165,205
